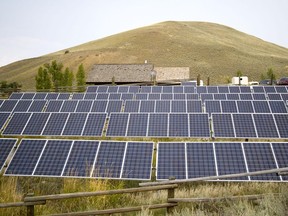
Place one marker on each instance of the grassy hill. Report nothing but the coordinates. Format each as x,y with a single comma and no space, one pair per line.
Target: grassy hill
208,49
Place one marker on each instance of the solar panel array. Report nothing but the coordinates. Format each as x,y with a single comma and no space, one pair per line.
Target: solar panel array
6,146
191,160
82,159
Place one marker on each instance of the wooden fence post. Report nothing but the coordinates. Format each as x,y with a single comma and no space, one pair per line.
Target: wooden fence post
30,208
171,194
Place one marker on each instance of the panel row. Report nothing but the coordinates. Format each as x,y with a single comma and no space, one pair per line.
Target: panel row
6,146
192,160
250,125
82,159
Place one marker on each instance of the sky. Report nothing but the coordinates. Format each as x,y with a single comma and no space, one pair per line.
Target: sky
31,28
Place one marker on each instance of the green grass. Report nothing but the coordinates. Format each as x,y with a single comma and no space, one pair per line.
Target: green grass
208,49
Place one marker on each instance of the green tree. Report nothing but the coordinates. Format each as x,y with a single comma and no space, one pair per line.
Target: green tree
43,81
80,78
55,70
271,75
68,79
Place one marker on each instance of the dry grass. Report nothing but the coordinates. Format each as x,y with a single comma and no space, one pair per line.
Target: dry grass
206,48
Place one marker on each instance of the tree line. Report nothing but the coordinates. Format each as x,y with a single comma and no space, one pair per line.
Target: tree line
52,76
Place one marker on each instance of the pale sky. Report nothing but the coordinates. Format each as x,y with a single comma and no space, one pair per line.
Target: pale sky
31,28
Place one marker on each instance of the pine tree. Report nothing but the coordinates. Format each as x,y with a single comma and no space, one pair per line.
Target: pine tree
80,78
40,79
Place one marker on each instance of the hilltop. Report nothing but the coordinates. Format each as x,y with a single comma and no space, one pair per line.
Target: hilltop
209,49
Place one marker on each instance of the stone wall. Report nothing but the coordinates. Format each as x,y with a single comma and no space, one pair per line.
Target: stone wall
172,73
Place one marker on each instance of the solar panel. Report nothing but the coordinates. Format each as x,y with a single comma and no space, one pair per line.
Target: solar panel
245,89
54,105
28,96
81,158
90,96
16,95
232,96
223,89
167,89
109,160
102,96
171,161
78,96
258,89
178,89
8,105
259,157
127,96
53,158
63,96
114,106
192,96
265,126
114,96
102,89
123,89
281,151
17,123
261,107
259,96
229,106
280,89
132,106
194,106
244,126
1,101
277,106
36,124
112,89
138,161
222,125
138,124
212,89
117,125
245,106
141,96
201,89
178,106
22,106
274,96
26,157
178,125
55,124
3,118
200,160
189,89
52,96
134,89
284,97
166,96
219,96
69,106
6,146
40,96
199,125
230,159
281,121
99,106
246,96
269,89
156,89
206,96
145,89
154,96
212,106
147,106
94,124
179,96
91,88
75,124
234,89
84,106
37,106
163,106
158,125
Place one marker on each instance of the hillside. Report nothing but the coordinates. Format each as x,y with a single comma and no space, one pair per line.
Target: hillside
208,49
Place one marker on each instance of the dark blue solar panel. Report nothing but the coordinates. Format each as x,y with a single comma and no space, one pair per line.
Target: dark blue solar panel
145,89
78,96
282,124
75,124
22,106
141,96
28,96
91,88
232,96
81,158
134,89
69,106
281,152
259,96
246,96
259,157
114,96
99,106
109,160
102,96
25,157
52,96
199,125
244,126
245,89
179,96
189,89
277,106
212,89
114,106
16,95
245,106
178,106
132,106
223,89
171,161
201,89
36,124
123,89
194,106
90,96
3,118
178,89
6,146
206,96
158,125
229,106
192,96
8,105
219,96
166,96
63,96
269,89
258,89
163,106
102,89
261,107
265,126
147,106
138,124
200,160
156,89
223,125
167,89
84,106
234,89
53,158
54,106
138,161
94,124
230,159
284,97
55,124
280,89
274,96
117,125
212,106
178,125
112,89
154,96
37,106
17,123
127,96
40,96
